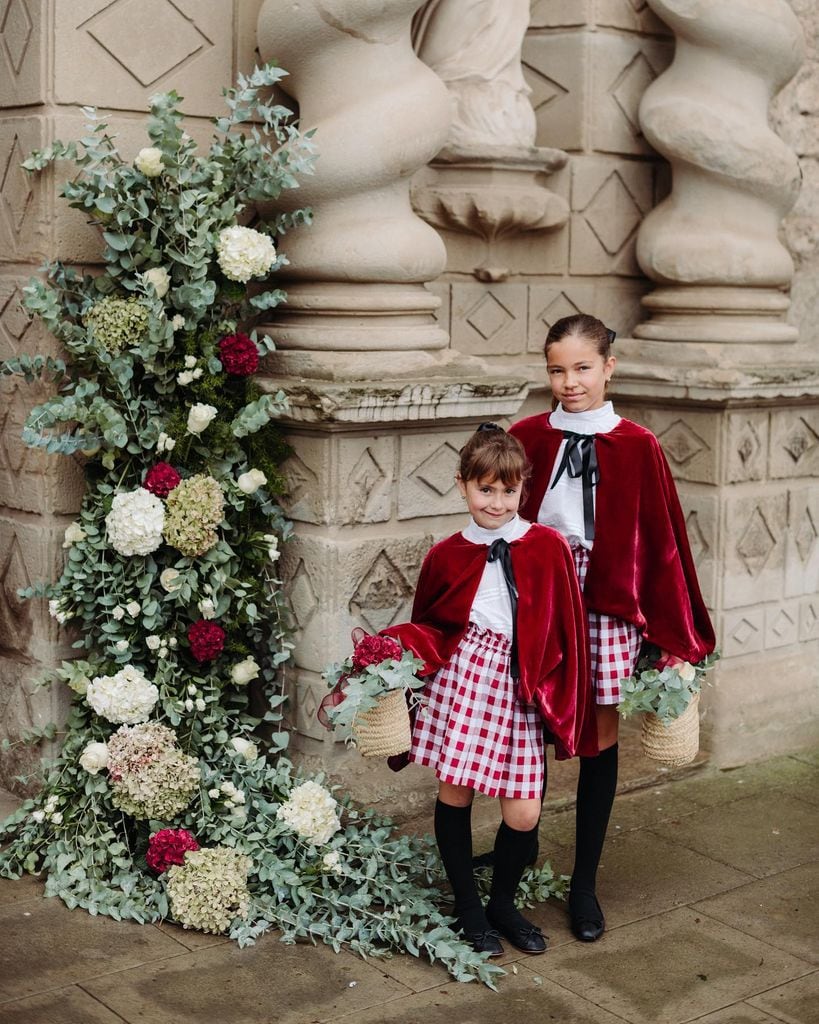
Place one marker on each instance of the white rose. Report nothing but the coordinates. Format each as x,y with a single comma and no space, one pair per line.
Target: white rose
79,684
159,278
197,373
153,642
192,691
243,253
178,322
331,861
57,818
118,613
200,704
50,804
133,608
73,535
173,642
238,797
149,161
168,578
184,378
38,816
686,671
273,550
248,750
135,522
189,705
190,362
94,757
165,443
251,481
121,646
200,416
243,671
207,609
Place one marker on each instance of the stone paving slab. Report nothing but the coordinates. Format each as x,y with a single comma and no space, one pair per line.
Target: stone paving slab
797,1002
62,1006
739,1013
799,772
782,910
19,890
671,968
44,945
761,835
269,982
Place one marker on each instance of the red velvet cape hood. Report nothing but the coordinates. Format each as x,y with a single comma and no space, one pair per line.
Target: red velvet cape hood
640,567
552,640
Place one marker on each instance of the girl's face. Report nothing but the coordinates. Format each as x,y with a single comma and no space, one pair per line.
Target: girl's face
578,373
491,503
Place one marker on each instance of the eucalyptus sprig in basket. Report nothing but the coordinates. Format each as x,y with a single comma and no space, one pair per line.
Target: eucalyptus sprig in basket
668,694
371,692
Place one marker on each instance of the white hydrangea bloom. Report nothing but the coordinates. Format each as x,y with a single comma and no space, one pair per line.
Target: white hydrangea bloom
311,812
244,253
159,278
135,522
124,698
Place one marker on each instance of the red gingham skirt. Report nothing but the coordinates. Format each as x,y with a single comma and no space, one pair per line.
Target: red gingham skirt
614,644
473,731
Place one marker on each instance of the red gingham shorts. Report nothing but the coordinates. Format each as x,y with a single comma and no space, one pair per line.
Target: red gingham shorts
614,644
473,731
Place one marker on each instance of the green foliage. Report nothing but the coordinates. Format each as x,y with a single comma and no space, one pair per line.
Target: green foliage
362,689
665,692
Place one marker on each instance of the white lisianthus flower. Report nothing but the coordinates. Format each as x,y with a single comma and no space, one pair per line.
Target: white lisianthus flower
164,443
149,161
73,535
178,322
207,609
184,378
273,550
38,816
124,698
251,481
168,579
153,642
197,373
50,805
200,704
135,522
121,646
244,253
310,811
215,794
133,608
57,817
189,705
243,671
118,613
192,691
200,416
190,362
247,749
172,642
94,757
332,862
159,278
237,797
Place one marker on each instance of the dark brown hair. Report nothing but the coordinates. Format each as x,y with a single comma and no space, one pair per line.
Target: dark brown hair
581,325
493,454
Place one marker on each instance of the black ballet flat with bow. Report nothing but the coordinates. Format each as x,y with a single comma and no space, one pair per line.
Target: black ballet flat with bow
487,941
523,935
586,916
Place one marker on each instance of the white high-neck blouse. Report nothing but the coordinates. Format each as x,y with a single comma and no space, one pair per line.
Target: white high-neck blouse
492,607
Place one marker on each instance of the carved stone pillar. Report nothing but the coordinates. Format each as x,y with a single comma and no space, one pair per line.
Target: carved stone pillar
712,245
379,406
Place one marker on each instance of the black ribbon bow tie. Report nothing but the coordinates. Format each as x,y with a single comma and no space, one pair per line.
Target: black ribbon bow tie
580,460
499,552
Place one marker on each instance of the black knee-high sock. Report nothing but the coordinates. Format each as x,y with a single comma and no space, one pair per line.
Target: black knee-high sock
453,833
487,860
512,852
595,796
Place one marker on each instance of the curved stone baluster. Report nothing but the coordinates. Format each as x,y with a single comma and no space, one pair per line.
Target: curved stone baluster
356,279
713,242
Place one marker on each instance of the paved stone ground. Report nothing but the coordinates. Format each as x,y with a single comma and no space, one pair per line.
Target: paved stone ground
709,883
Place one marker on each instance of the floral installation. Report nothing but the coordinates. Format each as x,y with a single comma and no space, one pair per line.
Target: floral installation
662,686
169,593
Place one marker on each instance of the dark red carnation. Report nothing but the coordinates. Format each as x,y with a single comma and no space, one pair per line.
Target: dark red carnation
161,479
239,355
207,639
168,846
370,650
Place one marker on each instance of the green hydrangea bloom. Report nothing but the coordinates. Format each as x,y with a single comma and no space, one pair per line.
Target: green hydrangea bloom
117,323
193,511
209,890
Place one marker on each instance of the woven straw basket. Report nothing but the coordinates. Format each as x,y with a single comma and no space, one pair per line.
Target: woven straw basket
385,729
677,743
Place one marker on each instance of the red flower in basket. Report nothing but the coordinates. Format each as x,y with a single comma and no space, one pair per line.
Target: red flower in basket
168,846
239,355
371,650
207,640
161,479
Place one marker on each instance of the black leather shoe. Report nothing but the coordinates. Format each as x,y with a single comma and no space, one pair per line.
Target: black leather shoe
523,934
485,942
587,920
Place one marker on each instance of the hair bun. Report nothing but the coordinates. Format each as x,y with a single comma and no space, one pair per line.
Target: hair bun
488,426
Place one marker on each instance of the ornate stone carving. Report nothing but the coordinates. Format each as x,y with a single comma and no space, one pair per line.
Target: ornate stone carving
382,596
356,276
712,244
488,178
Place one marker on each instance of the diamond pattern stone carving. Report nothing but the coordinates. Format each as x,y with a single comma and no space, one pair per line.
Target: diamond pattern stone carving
437,471
630,86
749,444
382,594
365,477
15,190
613,214
783,624
805,535
696,538
801,439
13,320
302,596
544,89
15,616
15,34
681,443
560,306
756,543
120,30
743,632
488,316
302,483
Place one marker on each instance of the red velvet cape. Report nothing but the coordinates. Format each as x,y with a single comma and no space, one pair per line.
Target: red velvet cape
640,567
552,640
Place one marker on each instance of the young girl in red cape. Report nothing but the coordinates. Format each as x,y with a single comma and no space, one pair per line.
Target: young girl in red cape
604,484
499,622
